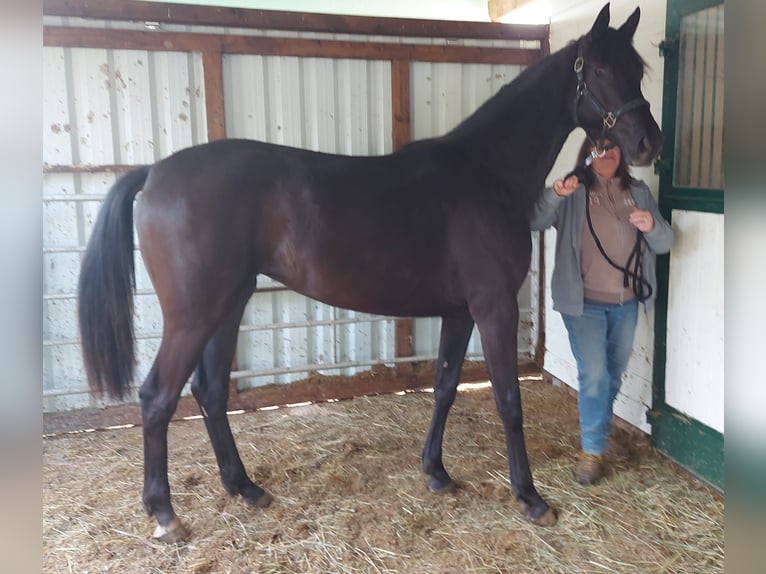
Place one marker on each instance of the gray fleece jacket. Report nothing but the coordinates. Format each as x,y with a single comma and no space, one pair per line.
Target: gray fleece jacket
567,215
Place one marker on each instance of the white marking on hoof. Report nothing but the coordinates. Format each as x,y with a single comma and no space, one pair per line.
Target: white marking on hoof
172,533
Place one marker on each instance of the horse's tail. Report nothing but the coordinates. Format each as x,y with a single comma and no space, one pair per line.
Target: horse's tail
105,291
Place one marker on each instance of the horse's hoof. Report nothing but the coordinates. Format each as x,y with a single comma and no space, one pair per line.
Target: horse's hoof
441,486
547,518
173,533
262,501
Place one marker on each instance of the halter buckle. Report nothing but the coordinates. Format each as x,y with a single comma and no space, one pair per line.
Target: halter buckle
609,120
578,65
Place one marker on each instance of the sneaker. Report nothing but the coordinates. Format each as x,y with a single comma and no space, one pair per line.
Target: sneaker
590,468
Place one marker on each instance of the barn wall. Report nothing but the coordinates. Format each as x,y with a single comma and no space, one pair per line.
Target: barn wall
568,21
695,362
120,107
103,107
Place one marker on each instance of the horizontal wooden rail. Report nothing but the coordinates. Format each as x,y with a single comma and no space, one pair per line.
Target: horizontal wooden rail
268,46
89,168
289,21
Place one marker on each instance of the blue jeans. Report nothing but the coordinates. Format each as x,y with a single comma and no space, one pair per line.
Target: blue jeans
602,342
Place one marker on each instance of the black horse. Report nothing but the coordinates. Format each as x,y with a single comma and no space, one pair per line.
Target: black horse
438,228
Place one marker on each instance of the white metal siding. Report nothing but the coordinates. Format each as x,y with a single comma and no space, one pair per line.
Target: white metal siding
103,107
322,104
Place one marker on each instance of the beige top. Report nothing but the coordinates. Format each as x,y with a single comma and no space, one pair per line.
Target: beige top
610,206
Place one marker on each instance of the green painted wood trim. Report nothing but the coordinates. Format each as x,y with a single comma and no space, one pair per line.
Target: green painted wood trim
693,199
686,6
695,446
669,202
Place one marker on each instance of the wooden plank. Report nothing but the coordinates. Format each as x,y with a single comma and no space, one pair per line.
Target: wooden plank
269,46
403,345
400,103
89,168
684,109
316,389
214,102
698,99
717,119
289,21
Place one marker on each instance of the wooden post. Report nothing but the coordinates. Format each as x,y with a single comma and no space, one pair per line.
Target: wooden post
214,102
400,103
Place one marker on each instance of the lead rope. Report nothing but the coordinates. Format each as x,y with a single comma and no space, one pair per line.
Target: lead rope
641,287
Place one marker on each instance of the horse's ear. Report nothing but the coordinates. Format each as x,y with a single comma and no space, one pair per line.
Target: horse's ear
601,24
630,25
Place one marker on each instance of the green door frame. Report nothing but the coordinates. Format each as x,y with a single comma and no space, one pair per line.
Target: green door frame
692,444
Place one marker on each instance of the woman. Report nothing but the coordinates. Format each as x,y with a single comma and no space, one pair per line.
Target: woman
603,268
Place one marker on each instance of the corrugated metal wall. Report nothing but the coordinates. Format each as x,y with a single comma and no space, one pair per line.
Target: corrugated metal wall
117,107
103,107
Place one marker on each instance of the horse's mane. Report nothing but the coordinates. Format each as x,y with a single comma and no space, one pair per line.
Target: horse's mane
612,48
495,106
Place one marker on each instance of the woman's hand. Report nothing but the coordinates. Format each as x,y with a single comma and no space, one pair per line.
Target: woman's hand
565,187
642,219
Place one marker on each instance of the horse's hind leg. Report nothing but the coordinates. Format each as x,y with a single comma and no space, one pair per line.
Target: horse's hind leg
455,334
179,352
210,387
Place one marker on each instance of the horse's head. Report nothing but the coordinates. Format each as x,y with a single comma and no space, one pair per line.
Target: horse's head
609,101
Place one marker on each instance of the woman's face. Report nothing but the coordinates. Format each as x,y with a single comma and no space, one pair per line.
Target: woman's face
606,165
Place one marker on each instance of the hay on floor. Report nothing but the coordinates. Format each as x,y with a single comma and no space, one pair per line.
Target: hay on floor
349,497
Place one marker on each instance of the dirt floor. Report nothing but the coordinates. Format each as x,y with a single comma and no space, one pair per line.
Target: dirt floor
349,497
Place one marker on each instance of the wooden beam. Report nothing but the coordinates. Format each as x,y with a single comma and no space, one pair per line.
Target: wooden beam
290,21
499,8
315,389
400,100
89,168
400,104
269,46
214,102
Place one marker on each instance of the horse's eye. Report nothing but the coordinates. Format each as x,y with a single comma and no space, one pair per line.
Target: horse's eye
600,71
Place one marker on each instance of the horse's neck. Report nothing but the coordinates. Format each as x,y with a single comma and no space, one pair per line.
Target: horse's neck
519,132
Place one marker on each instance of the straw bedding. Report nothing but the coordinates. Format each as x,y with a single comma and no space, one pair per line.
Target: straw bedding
349,497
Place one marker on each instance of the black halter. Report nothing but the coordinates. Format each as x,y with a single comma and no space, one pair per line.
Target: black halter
609,118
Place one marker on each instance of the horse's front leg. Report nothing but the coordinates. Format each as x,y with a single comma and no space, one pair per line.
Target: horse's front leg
455,334
498,324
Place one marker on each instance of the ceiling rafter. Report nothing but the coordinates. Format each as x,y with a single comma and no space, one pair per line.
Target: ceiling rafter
499,8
